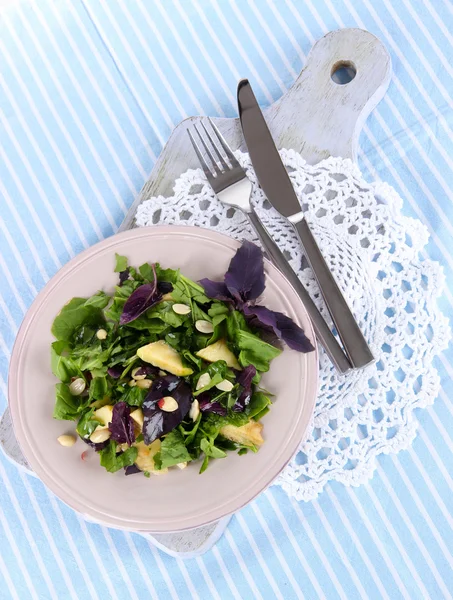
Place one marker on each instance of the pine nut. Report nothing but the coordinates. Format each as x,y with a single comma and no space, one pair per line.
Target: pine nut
66,440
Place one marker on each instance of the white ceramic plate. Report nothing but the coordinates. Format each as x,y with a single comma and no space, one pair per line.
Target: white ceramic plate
181,499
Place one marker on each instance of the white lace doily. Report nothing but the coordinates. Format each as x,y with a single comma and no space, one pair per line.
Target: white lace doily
375,254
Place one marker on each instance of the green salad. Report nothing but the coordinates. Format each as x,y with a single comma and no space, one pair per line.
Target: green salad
166,371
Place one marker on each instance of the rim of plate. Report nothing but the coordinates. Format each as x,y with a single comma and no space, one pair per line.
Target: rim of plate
231,505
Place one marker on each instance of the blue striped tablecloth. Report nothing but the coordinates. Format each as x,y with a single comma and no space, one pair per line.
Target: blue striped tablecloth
90,91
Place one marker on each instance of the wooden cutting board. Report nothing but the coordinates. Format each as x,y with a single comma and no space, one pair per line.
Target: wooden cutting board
318,117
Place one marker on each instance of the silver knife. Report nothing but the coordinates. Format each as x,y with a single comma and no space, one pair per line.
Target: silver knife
277,186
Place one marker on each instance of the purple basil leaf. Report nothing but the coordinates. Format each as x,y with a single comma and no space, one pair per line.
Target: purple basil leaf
245,276
115,371
157,422
124,276
244,378
140,300
164,287
216,290
147,370
122,425
284,327
131,470
206,405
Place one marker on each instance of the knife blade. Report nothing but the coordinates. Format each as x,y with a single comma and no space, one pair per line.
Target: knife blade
277,186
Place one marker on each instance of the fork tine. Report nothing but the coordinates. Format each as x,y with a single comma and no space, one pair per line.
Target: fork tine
208,152
225,165
224,145
204,164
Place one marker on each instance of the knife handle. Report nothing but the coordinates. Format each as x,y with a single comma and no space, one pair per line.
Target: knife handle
322,330
354,343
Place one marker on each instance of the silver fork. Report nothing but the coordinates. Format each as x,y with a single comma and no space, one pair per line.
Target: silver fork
231,185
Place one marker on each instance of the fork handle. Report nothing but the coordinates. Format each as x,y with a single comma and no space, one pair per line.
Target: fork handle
322,330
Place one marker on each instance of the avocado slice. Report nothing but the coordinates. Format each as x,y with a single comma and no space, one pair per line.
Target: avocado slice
247,435
219,351
163,356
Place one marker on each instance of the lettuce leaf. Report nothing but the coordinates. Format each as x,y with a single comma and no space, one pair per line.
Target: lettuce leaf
173,450
112,461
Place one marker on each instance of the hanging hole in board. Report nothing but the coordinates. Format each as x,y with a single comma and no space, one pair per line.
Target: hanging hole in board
343,72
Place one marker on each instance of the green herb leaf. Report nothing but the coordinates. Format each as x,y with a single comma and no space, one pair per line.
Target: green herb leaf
99,300
73,315
99,388
68,407
62,366
114,462
121,263
173,450
87,424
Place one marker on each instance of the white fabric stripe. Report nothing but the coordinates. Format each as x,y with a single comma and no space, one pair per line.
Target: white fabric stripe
112,115
259,556
419,542
446,64
416,498
75,116
119,563
99,563
432,450
187,579
207,578
9,318
377,540
7,578
319,550
440,427
70,541
201,47
43,523
56,149
219,46
286,29
358,544
21,224
37,184
9,278
6,351
430,483
238,46
113,85
162,568
162,77
277,551
273,39
242,565
258,46
174,64
141,566
26,529
416,49
438,21
295,545
127,80
226,574
105,138
339,549
396,539
18,257
3,385
412,73
432,134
